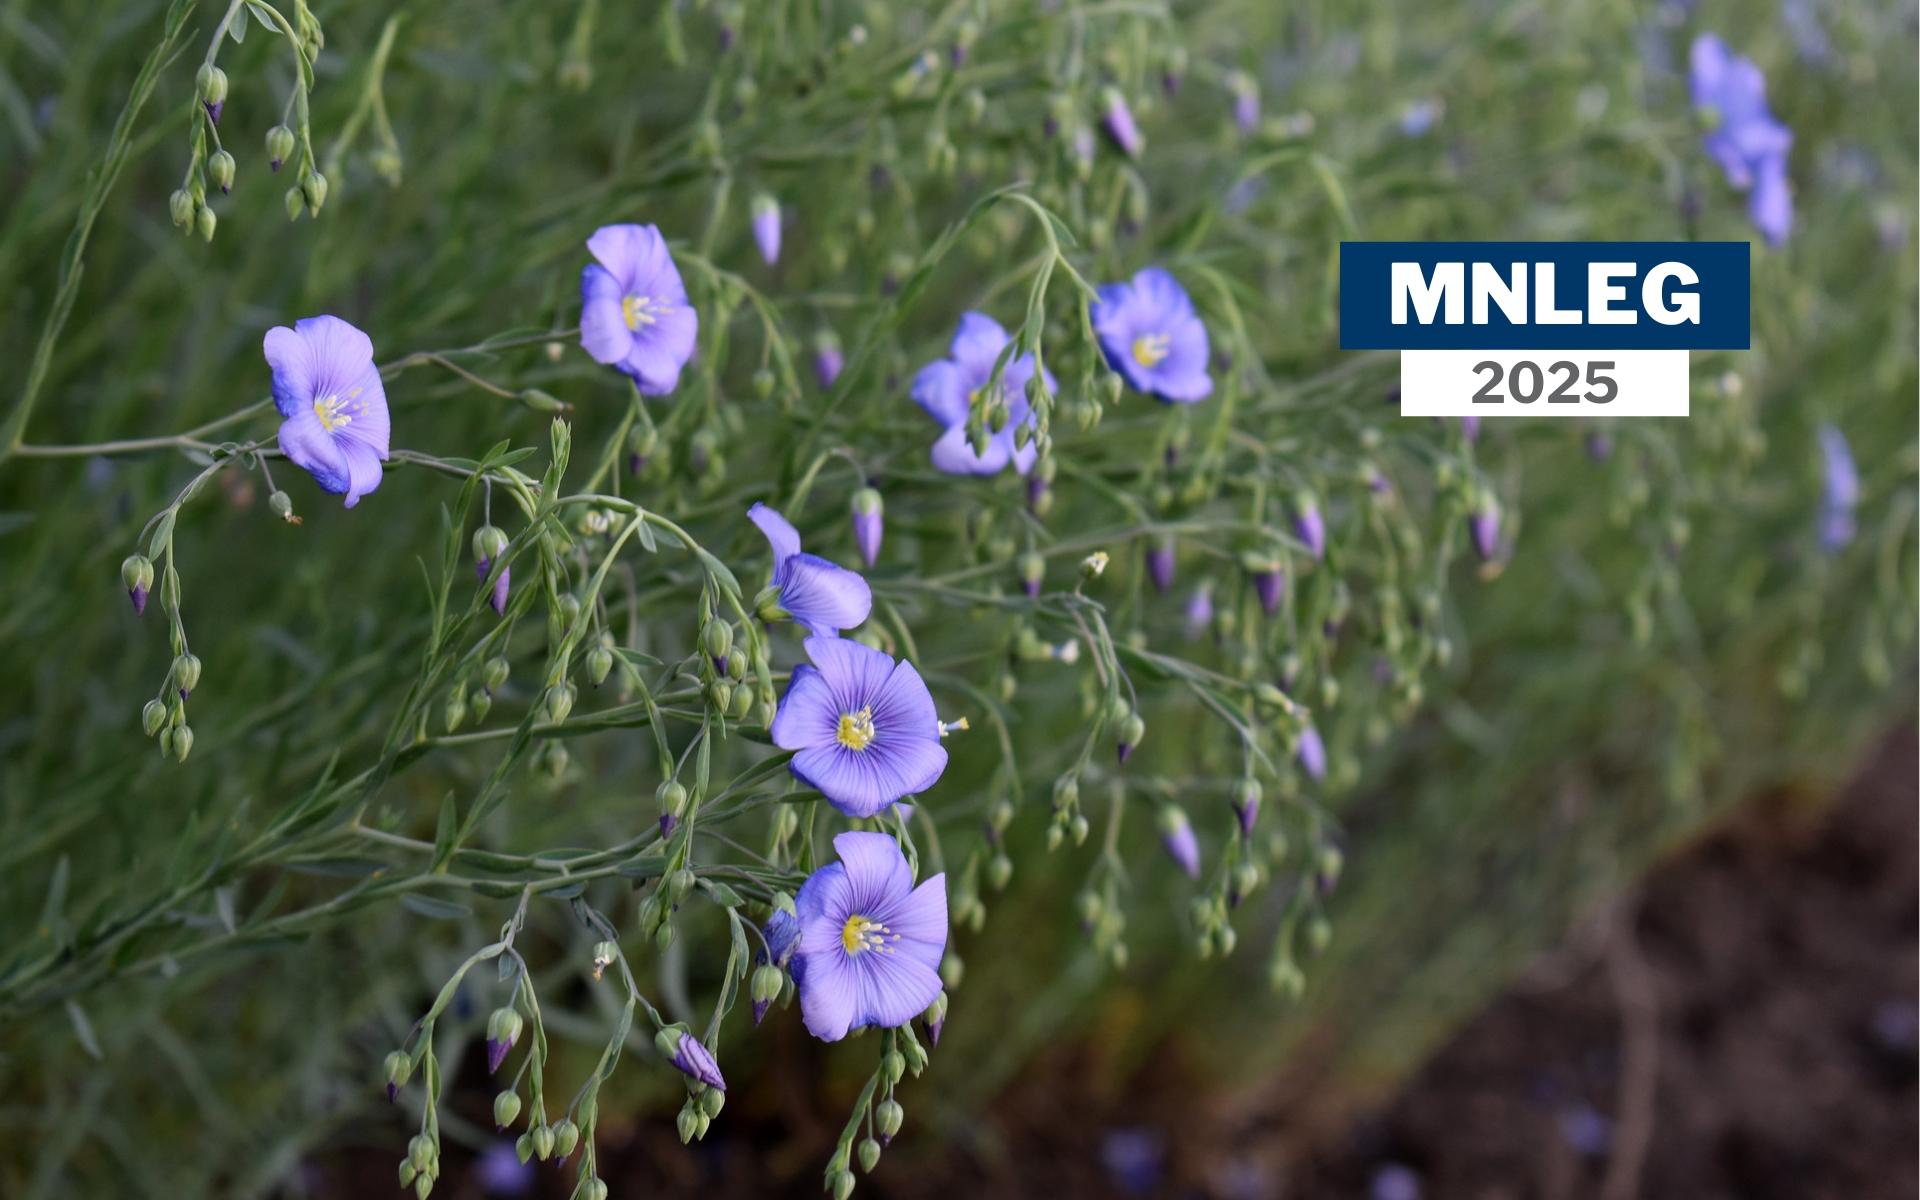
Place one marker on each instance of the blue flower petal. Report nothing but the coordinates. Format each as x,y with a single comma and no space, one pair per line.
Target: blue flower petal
823,596
781,535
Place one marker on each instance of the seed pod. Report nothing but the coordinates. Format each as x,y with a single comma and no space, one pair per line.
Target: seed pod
599,665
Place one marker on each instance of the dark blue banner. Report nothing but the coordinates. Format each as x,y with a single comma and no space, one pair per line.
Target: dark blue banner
1545,295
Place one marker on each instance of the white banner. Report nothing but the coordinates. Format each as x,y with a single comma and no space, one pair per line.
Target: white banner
1544,383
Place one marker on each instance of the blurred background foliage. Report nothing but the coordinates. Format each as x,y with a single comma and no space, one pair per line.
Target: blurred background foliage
1662,637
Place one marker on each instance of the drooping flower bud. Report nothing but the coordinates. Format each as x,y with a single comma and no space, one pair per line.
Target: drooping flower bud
506,1106
716,638
672,797
767,983
1309,525
1246,804
1484,525
398,1068
1132,731
1033,571
868,524
1470,428
220,169
186,673
566,1135
689,1056
1117,119
1327,866
936,1017
152,717
1246,101
296,203
180,207
599,665
1176,834
211,84
205,222
766,227
137,573
313,189
559,702
869,1155
1599,446
503,1030
543,1142
1312,753
827,358
1160,564
279,146
488,542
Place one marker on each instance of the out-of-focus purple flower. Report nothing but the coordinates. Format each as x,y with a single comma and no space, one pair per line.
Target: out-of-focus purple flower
868,524
950,388
827,359
1310,526
863,727
1470,428
1151,334
1246,804
1134,1158
766,227
1842,493
1585,1130
689,1056
1394,1182
1421,115
1269,584
1744,137
1312,753
1117,119
1200,610
870,941
823,596
1176,834
1083,148
500,1171
1599,446
634,312
1484,525
1246,101
329,391
1160,564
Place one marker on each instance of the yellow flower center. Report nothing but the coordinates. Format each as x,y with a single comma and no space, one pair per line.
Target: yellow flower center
856,729
864,933
1150,349
640,310
331,411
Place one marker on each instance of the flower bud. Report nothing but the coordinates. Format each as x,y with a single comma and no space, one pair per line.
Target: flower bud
279,146
687,1123
1160,563
869,1155
1094,565
204,223
1066,792
420,1151
1131,731
842,1185
711,1102
999,871
506,1106
180,207
599,665
717,640
137,573
672,797
1079,828
296,203
1246,880
523,1147
398,1068
313,189
186,674
720,695
220,170
153,716
488,543
679,884
559,702
543,1142
766,227
211,84
936,1016
493,676
742,698
566,1135
281,505
868,523
887,1118
1033,570
1246,803
407,1173
1176,834
503,1030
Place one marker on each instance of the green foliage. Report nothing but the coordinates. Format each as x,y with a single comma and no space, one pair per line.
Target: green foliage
205,957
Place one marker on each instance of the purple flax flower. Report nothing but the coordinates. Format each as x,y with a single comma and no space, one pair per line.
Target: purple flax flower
1599,446
766,227
1470,428
1484,524
329,391
1134,1158
1312,753
1311,527
501,586
1200,610
868,524
870,942
1745,138
827,359
1160,564
825,597
1176,834
1421,116
782,932
863,726
1117,120
1246,101
500,1171
634,311
690,1057
1842,490
950,388
1152,336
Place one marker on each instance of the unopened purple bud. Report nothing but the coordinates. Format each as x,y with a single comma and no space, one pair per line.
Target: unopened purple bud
869,524
1269,585
501,587
1118,121
213,110
1842,490
1312,753
1246,804
933,1029
1312,530
1036,488
1160,565
1246,102
1176,834
827,361
139,595
393,1091
481,568
766,227
496,1054
1484,524
667,822
1470,428
1199,610
1599,446
694,1060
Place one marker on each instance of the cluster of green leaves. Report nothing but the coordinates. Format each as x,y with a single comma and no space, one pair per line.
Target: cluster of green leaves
242,910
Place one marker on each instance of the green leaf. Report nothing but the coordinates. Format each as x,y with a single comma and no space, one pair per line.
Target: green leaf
440,910
237,28
265,16
637,658
647,866
722,893
644,533
448,833
565,891
338,868
83,1029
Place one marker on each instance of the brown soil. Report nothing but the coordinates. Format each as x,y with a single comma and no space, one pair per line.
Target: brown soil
1742,1027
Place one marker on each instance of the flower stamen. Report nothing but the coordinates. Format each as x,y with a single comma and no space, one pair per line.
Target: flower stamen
864,933
856,730
1150,349
639,310
328,409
